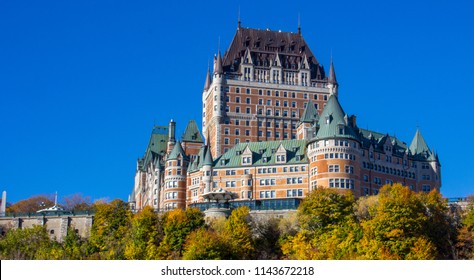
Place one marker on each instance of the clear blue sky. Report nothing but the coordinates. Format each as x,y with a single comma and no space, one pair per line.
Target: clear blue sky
83,82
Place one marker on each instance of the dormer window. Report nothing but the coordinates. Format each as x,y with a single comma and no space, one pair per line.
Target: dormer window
246,160
328,119
281,159
341,129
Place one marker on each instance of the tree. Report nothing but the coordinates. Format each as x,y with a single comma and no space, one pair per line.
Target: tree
144,236
31,205
77,202
324,208
397,225
177,225
206,244
465,235
328,228
111,223
29,244
238,233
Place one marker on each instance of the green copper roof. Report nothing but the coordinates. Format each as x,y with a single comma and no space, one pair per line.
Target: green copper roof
177,150
192,134
333,122
263,153
157,145
208,157
310,113
418,144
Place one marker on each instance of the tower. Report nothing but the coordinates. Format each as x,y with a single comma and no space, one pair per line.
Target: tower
260,88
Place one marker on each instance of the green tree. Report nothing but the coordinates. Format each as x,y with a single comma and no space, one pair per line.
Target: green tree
398,224
111,224
29,244
206,244
328,228
238,233
465,235
144,236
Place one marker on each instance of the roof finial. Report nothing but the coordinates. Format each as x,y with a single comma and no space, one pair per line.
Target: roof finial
299,24
238,19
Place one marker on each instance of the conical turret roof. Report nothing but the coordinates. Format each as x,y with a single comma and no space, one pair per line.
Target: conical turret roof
332,123
310,113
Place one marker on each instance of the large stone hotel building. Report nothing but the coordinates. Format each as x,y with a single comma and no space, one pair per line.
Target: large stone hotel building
274,131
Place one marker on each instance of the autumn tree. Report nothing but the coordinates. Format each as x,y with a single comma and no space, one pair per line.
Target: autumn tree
144,236
465,235
327,227
111,223
397,227
29,244
238,232
206,244
177,225
77,202
31,205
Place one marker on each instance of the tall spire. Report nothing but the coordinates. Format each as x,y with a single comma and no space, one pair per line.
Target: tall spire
332,81
238,19
207,83
332,74
218,69
299,24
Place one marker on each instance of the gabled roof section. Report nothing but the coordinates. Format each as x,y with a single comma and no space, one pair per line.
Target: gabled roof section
418,145
264,153
177,152
266,46
310,113
333,122
157,145
192,134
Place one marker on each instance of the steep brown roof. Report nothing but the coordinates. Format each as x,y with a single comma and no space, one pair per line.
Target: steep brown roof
265,45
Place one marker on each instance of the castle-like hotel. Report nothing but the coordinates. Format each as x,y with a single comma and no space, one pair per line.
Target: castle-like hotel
275,130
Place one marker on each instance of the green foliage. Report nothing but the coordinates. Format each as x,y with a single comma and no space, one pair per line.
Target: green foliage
324,208
29,244
328,228
206,244
400,221
238,233
111,223
144,236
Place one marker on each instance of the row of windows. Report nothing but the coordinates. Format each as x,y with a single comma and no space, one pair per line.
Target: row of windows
294,193
341,183
267,194
341,143
388,170
266,170
339,156
294,180
171,195
172,184
389,159
267,182
294,168
277,124
277,93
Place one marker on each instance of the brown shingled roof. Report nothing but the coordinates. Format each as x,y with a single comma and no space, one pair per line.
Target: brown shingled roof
264,45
